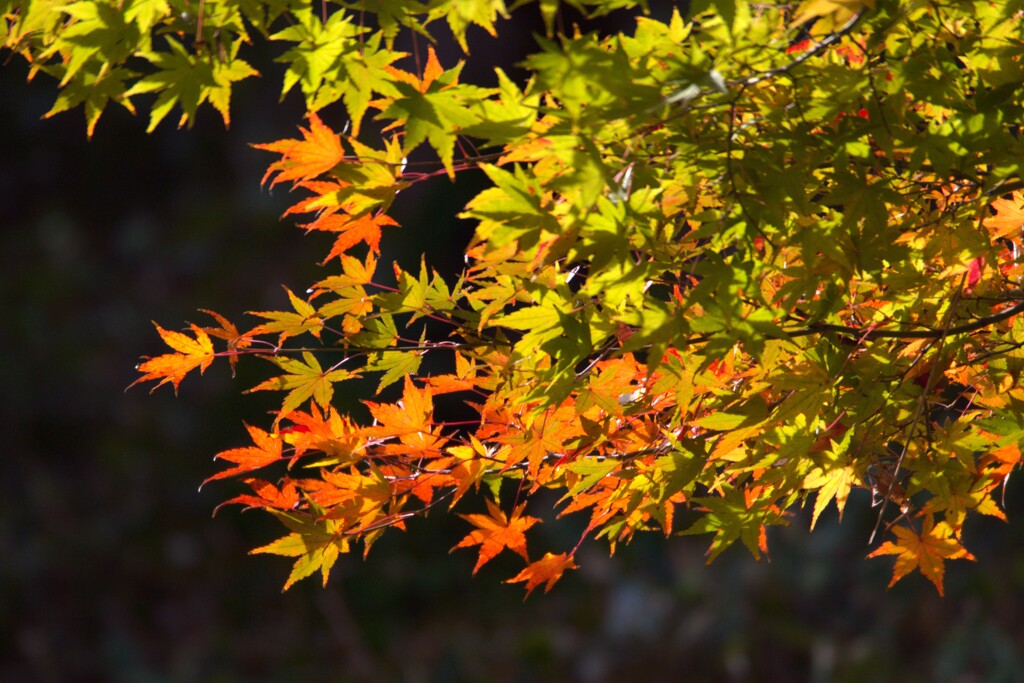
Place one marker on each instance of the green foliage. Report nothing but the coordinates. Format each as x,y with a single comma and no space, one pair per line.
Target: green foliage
725,264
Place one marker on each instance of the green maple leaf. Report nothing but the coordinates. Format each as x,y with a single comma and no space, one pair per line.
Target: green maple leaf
316,544
513,209
93,91
146,13
304,379
434,108
361,74
98,32
188,80
318,51
461,14
331,61
507,118
304,319
730,518
396,365
394,14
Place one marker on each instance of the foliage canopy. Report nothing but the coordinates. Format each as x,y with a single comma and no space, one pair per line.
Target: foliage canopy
742,260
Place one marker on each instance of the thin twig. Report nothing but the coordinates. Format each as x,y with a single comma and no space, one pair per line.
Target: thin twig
943,334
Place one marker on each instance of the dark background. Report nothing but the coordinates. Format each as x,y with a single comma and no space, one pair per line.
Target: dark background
111,568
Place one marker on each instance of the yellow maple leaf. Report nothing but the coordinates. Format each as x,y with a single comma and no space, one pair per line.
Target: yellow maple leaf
834,12
926,551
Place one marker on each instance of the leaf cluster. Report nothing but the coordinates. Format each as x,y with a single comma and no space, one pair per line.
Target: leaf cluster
728,265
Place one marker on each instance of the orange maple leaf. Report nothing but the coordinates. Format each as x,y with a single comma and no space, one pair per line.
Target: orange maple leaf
352,230
172,367
1009,218
496,531
318,152
548,570
446,384
267,495
229,333
926,551
267,450
432,70
335,435
409,420
422,484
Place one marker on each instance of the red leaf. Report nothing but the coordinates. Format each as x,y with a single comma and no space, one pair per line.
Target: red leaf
974,271
799,46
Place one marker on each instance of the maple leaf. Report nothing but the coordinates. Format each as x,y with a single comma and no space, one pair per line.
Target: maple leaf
432,108
352,230
334,435
229,333
305,379
833,484
189,80
355,271
93,91
735,515
409,419
267,495
395,364
546,570
172,367
836,476
318,49
1009,218
288,324
265,451
841,10
146,13
316,543
94,33
354,499
471,466
926,551
431,71
446,384
496,531
317,153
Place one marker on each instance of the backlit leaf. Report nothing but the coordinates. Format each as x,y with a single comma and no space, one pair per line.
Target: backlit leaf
172,367
318,152
926,551
495,531
546,570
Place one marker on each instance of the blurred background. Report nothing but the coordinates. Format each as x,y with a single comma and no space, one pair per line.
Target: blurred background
111,568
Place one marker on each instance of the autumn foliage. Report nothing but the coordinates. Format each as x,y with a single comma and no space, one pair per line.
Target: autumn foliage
727,265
